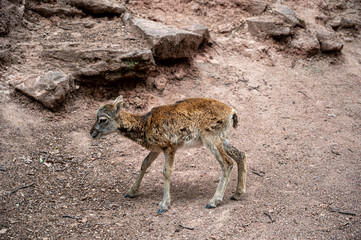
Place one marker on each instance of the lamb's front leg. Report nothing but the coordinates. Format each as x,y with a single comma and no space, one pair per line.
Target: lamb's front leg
168,167
149,159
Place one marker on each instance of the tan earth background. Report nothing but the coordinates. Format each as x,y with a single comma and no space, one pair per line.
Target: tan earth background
291,69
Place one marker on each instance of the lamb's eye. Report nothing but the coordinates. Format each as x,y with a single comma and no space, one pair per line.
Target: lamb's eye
103,120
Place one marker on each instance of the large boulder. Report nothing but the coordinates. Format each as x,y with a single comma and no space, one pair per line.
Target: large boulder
49,88
306,42
167,41
98,8
288,14
102,65
329,42
272,26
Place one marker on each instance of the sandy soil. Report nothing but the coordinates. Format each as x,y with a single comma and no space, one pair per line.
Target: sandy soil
299,123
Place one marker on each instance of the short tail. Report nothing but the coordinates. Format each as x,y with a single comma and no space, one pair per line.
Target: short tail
235,120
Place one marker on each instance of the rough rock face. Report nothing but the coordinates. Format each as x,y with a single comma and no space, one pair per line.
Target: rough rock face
268,26
329,42
10,16
104,7
166,41
289,14
50,88
159,81
48,10
5,55
253,7
103,65
199,29
306,42
348,21
4,19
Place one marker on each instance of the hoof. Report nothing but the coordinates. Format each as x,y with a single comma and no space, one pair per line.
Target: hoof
236,197
160,211
128,196
209,206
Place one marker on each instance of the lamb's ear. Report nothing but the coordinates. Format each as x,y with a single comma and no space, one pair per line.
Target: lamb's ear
118,104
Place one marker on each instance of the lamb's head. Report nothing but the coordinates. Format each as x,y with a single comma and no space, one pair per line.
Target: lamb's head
106,119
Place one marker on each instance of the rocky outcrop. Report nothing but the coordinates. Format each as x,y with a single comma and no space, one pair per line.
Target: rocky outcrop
306,42
101,51
49,88
102,65
285,23
272,26
99,8
167,41
329,42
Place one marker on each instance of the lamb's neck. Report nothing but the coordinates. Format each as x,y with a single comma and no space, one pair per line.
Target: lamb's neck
132,127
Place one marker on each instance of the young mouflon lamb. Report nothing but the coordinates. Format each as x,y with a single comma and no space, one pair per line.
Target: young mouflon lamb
188,123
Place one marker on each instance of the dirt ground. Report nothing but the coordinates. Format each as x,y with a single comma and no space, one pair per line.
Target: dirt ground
299,123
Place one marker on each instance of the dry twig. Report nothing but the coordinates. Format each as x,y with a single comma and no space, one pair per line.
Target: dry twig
343,212
236,29
85,174
270,216
258,173
185,227
304,94
72,217
19,188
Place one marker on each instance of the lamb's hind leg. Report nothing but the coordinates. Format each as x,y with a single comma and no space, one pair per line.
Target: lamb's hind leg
149,159
241,160
167,172
226,164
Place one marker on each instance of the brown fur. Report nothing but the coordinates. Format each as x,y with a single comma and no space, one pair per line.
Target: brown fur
189,123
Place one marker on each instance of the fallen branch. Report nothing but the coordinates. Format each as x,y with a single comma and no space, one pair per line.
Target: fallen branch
185,227
270,216
19,188
343,212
